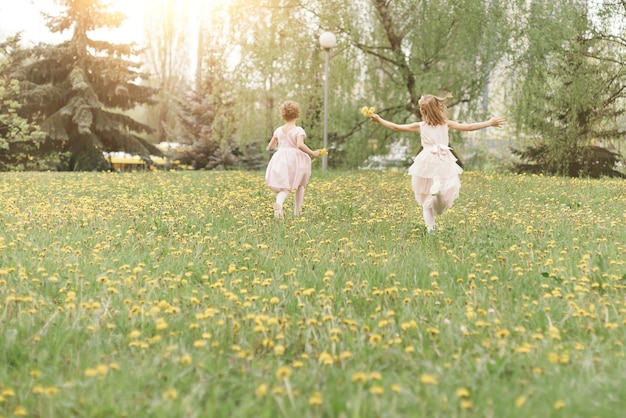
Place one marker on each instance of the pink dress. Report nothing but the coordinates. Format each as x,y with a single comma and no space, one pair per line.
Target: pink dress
289,168
435,160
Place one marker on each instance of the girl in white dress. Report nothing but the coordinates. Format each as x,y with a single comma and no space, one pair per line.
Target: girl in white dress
290,166
434,172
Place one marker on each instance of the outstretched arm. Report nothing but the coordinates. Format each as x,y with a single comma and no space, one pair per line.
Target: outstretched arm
475,126
407,127
304,148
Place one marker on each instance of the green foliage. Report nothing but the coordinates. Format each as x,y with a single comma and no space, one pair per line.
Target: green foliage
19,139
569,92
206,119
590,161
77,90
167,55
388,54
172,294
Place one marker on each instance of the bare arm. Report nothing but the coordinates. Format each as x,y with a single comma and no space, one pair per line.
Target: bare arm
272,144
407,127
475,126
304,148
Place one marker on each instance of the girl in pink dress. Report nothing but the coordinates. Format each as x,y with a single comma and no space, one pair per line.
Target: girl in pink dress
290,166
434,172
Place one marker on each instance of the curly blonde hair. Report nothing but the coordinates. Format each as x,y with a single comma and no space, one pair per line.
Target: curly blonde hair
433,108
289,110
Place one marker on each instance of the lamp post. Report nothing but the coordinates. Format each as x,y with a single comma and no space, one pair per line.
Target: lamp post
327,41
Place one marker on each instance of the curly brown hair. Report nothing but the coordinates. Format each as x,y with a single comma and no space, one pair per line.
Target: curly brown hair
289,110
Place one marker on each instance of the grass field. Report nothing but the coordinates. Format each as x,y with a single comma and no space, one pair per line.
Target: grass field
178,295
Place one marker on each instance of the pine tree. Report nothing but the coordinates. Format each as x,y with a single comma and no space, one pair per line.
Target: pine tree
206,118
571,90
77,90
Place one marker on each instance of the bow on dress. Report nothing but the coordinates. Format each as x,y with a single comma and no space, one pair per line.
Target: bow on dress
439,149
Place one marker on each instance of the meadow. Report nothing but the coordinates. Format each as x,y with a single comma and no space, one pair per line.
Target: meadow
177,294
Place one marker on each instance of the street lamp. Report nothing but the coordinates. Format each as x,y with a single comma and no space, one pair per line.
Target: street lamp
327,41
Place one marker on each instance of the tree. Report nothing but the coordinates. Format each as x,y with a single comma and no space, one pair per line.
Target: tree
206,118
19,139
77,90
279,58
388,54
167,54
570,91
412,47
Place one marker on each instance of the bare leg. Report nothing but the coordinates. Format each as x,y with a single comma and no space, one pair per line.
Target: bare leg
299,199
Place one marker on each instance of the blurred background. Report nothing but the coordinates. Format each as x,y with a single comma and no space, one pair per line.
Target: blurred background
192,84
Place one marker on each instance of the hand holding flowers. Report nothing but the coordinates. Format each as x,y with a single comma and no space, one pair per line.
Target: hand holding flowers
368,111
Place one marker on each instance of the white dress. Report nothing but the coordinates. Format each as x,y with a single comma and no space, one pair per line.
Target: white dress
435,159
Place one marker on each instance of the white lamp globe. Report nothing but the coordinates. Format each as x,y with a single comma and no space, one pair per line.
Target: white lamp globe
328,40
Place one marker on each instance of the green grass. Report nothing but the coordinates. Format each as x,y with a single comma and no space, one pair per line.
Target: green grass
178,294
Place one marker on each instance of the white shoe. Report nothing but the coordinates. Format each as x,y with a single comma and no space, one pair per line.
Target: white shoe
436,186
278,211
431,229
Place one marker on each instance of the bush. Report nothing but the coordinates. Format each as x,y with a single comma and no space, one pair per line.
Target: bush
589,161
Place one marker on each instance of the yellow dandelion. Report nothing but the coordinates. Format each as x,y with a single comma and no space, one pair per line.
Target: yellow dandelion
315,399
325,358
323,152
377,390
199,343
375,376
102,369
170,394
466,404
396,388
375,339
463,393
559,404
429,379
520,401
161,324
368,111
51,391
185,360
20,411
89,372
261,390
279,350
8,392
283,372
359,377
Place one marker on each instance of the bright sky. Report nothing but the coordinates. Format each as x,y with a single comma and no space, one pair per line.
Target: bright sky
25,15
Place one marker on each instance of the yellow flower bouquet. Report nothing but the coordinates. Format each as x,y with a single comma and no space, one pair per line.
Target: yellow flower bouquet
323,152
368,111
